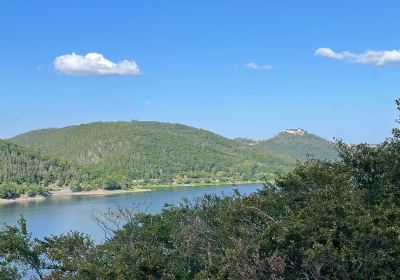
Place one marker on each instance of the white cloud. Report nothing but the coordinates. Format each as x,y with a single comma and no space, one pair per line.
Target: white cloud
94,64
376,58
255,66
326,52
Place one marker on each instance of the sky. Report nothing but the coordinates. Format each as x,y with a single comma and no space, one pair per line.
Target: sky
238,68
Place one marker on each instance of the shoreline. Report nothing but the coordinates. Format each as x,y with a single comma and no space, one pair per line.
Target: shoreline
21,199
152,187
65,192
102,192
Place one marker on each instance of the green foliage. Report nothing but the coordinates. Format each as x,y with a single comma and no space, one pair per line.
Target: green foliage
21,165
10,190
77,254
25,172
8,273
33,190
20,251
301,146
323,220
124,154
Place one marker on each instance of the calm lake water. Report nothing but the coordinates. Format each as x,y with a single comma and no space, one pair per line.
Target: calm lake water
58,215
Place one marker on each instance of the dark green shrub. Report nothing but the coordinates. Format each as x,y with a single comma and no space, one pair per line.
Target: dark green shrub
9,190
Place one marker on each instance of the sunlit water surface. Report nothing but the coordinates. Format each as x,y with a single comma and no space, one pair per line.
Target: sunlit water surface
57,215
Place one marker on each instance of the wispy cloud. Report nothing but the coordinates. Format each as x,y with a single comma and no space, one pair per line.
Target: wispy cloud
251,65
255,66
267,67
94,64
376,58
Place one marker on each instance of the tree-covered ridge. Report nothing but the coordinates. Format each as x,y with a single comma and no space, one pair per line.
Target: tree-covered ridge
300,146
114,155
153,151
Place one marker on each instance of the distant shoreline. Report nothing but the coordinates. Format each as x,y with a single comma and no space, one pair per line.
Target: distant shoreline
21,199
68,192
157,186
101,192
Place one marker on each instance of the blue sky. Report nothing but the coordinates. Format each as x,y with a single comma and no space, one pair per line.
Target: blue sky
194,61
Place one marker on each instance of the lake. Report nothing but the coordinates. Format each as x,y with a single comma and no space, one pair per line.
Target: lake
57,215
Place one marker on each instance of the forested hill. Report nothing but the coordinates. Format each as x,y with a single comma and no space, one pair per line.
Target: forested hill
155,152
301,145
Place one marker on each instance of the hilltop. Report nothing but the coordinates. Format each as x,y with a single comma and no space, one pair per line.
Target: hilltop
299,144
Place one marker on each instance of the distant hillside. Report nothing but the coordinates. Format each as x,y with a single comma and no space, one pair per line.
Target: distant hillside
156,152
20,165
300,144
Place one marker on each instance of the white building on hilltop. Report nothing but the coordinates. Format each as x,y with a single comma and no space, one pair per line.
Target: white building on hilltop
297,131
